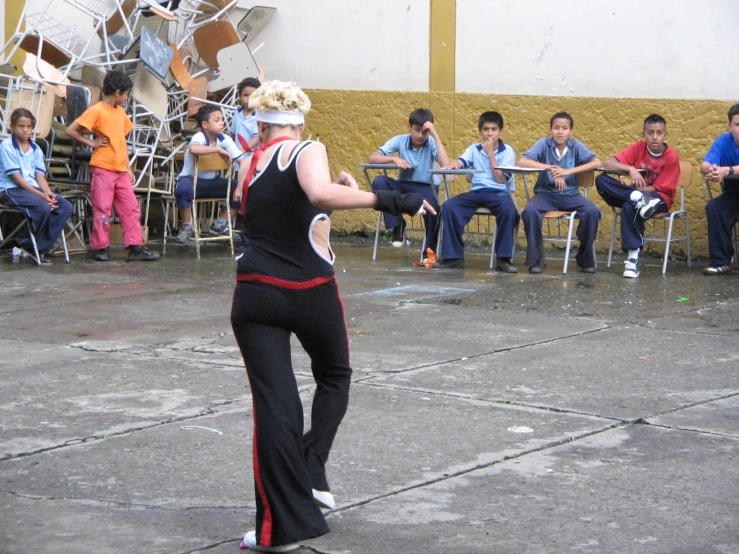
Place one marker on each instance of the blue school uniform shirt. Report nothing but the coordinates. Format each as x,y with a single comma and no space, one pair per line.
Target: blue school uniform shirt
224,141
14,160
421,160
244,125
476,157
723,152
545,151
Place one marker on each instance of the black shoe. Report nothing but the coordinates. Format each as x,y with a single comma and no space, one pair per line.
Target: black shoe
102,255
456,263
583,269
141,254
44,258
535,269
399,235
505,265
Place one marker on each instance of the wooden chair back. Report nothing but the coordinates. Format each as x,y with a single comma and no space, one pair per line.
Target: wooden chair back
213,37
211,162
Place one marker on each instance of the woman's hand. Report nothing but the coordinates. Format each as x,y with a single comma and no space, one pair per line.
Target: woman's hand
346,180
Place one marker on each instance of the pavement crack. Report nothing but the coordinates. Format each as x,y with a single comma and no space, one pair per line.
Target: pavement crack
691,430
477,467
211,410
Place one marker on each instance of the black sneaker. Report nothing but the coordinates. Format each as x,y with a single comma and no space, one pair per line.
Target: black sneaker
535,269
102,255
505,265
717,270
398,235
44,258
456,263
141,254
583,269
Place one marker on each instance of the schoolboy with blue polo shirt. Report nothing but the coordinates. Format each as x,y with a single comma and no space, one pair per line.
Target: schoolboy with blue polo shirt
23,185
209,140
489,190
417,152
560,157
721,165
244,126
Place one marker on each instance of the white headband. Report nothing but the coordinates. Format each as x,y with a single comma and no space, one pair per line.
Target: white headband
281,117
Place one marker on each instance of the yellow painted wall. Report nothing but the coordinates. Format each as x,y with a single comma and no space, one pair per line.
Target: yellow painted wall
353,124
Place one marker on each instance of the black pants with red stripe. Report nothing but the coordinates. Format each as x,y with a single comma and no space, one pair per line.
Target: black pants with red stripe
288,463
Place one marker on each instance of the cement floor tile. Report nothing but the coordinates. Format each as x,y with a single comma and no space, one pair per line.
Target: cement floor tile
100,395
206,461
605,295
379,450
22,353
127,321
414,335
631,490
722,319
623,373
719,416
198,463
66,526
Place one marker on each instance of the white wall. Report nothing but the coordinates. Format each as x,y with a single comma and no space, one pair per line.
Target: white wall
611,48
348,44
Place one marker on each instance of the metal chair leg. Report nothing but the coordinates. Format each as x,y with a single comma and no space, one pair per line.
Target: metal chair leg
569,241
616,215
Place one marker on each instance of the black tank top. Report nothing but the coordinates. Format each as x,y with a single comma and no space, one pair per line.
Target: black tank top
279,223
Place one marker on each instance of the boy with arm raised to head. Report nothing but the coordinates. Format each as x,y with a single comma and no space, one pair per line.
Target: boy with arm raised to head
417,151
489,190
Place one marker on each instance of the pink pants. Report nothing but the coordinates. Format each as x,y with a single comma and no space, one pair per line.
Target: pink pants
108,189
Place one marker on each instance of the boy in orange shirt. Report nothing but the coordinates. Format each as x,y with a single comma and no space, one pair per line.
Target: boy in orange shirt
112,178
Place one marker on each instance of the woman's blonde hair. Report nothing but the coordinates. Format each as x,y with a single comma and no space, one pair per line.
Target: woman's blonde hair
280,95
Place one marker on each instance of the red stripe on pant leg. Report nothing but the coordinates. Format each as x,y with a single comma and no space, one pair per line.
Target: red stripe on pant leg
346,331
265,533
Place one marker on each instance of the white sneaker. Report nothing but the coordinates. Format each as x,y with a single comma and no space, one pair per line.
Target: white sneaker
646,208
324,499
631,271
250,542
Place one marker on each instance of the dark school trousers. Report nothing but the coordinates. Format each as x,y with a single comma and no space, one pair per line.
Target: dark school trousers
47,224
207,188
288,463
457,212
721,213
587,229
617,195
424,189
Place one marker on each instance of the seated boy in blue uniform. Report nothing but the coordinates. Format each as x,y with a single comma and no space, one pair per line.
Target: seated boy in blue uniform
560,157
489,190
23,185
209,140
244,126
721,165
417,152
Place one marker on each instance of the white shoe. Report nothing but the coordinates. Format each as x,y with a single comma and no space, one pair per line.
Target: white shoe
631,271
324,499
647,208
250,542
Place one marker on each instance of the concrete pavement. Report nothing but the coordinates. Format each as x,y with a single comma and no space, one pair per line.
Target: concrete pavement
489,413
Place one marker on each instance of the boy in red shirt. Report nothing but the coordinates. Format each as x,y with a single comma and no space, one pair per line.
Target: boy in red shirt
112,178
654,169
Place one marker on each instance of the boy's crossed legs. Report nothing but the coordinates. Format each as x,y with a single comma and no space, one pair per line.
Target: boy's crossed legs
636,208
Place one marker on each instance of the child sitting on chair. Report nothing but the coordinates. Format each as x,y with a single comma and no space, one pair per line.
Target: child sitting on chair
209,140
561,158
645,195
244,126
23,185
417,152
489,190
